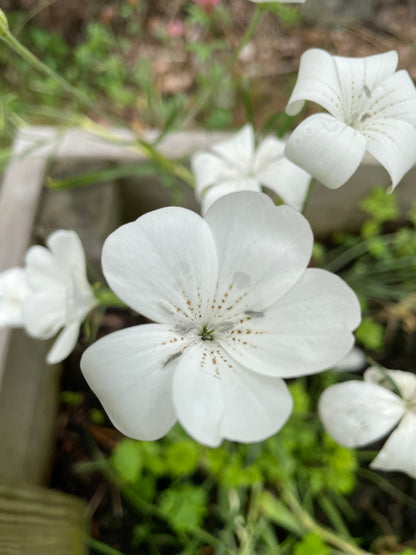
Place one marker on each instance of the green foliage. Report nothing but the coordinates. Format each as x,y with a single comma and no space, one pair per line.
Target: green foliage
184,506
311,544
381,206
126,460
71,398
370,334
182,457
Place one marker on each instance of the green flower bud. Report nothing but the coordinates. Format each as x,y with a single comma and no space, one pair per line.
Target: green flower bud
4,26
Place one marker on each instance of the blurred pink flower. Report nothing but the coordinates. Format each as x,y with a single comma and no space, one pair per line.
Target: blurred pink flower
176,28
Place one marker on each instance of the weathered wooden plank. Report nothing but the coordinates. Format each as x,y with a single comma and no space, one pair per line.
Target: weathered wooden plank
36,521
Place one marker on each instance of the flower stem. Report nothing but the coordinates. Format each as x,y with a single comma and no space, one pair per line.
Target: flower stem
107,298
309,524
248,35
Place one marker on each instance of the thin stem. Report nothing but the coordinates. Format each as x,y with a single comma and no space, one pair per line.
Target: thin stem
102,547
309,523
248,35
108,299
31,59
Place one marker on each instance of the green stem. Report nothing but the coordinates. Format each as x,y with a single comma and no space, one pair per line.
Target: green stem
309,524
248,35
102,547
108,299
31,59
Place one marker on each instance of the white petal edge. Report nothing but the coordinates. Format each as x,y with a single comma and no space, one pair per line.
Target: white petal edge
306,331
214,193
131,373
64,344
68,252
216,398
398,453
318,82
160,262
327,149
392,142
238,150
357,413
262,249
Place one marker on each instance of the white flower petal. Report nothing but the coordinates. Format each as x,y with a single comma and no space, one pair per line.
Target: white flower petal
318,82
67,250
277,173
392,143
306,331
357,413
131,372
326,148
163,265
42,272
197,397
216,398
256,406
262,250
354,361
404,381
44,313
13,290
217,191
64,343
398,453
238,151
394,98
210,169
359,76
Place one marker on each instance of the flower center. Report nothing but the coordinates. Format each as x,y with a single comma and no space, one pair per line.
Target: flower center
206,334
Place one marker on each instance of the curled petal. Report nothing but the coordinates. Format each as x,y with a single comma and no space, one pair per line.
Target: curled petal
64,343
262,250
394,98
163,265
359,76
392,142
326,148
398,453
131,373
357,413
318,82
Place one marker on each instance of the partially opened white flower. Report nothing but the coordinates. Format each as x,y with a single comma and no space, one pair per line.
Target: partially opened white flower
357,413
237,165
60,295
371,107
237,311
13,290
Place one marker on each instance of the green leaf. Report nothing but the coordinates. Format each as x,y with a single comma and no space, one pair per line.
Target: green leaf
182,457
311,544
126,460
370,334
277,512
380,205
184,507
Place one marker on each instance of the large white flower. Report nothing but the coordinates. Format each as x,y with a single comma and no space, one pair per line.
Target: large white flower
357,413
59,293
13,290
237,311
371,107
237,165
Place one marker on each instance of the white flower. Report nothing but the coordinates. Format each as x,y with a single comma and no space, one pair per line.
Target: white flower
371,107
237,311
13,290
237,165
59,293
357,413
